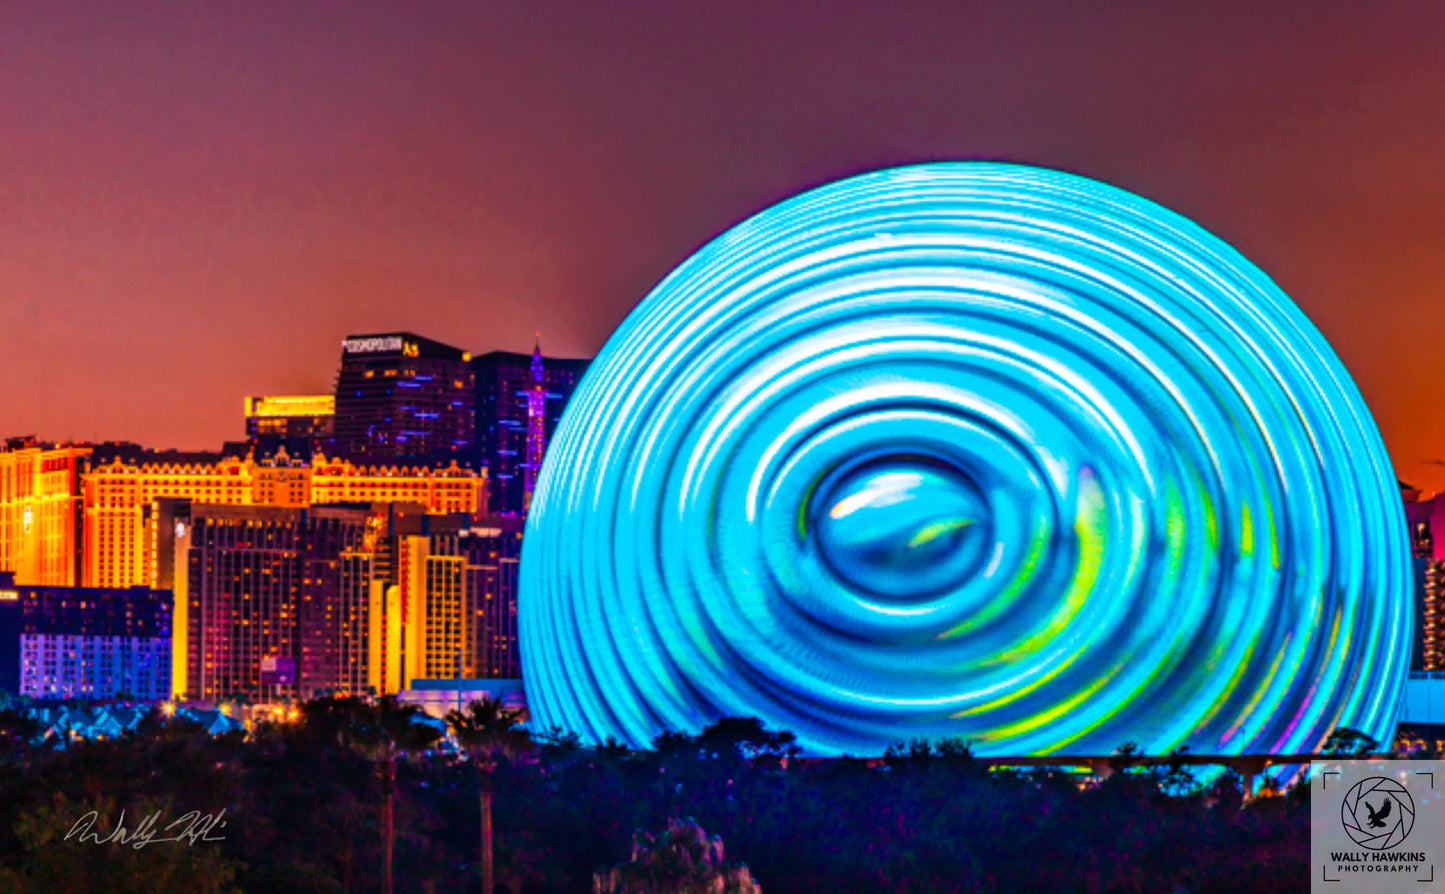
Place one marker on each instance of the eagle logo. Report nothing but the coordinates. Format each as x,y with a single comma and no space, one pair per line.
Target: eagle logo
1377,819
1378,813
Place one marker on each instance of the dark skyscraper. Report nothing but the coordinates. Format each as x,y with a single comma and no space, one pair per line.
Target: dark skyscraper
402,396
492,551
519,400
10,627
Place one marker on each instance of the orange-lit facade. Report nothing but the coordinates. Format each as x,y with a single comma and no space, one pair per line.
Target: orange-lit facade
449,606
121,509
452,489
40,513
290,415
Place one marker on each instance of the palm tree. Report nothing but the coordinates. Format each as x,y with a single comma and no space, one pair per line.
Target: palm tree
381,732
682,859
486,730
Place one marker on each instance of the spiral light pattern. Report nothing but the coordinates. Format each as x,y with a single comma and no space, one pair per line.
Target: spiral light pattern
968,450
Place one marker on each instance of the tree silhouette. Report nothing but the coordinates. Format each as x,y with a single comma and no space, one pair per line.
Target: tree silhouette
18,730
488,730
681,859
1346,742
382,732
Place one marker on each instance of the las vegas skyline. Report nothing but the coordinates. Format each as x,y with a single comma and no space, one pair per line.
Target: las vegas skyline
199,203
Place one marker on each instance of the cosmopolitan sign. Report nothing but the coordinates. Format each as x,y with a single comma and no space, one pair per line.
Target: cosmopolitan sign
372,345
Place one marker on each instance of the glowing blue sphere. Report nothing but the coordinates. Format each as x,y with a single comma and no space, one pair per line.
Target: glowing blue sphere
968,450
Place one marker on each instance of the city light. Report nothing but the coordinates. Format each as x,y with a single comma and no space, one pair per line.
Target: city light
677,448
968,450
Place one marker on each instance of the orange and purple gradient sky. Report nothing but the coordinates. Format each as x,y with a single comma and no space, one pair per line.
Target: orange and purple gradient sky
199,200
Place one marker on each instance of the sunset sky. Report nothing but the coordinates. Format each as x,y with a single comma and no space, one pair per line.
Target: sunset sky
199,200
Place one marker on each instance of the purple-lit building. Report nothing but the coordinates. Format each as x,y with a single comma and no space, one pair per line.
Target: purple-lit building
87,642
519,401
492,550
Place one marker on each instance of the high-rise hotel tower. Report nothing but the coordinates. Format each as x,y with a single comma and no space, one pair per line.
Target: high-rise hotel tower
40,511
401,396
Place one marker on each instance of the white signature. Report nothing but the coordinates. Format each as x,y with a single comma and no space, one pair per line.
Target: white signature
193,827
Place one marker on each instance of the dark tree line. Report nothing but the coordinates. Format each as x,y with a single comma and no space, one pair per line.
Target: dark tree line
310,806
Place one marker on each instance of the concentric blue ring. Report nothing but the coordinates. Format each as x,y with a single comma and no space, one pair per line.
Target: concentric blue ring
968,450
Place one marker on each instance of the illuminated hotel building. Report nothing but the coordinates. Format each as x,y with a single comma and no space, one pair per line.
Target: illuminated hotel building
338,598
1425,519
80,642
40,512
536,428
493,549
401,396
121,500
275,601
290,416
297,424
519,401
450,489
1432,617
433,573
450,601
